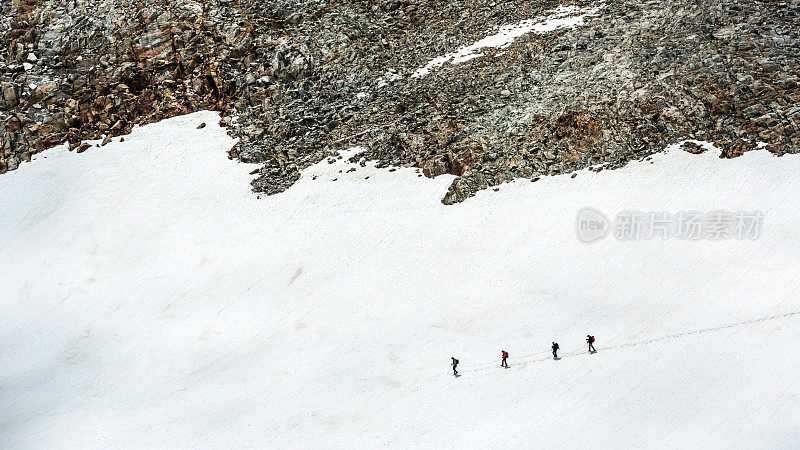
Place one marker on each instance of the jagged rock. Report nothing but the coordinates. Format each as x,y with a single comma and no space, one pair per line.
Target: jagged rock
9,95
307,79
691,147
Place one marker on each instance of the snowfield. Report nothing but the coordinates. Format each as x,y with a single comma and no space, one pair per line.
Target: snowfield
149,299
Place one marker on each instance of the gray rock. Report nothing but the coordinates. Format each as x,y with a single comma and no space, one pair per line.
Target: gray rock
636,77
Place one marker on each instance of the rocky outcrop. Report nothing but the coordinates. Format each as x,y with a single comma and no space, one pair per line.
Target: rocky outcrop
298,81
83,69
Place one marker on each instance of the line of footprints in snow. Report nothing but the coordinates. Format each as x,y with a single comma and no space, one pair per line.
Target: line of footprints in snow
590,340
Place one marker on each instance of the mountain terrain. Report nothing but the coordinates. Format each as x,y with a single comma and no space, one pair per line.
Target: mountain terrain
569,85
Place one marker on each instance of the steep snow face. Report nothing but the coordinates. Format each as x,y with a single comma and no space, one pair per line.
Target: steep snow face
149,299
561,17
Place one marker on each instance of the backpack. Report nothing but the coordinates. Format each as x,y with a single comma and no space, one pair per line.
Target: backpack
505,354
591,339
455,362
555,346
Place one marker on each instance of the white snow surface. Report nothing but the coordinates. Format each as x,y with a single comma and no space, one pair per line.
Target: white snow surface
149,299
561,17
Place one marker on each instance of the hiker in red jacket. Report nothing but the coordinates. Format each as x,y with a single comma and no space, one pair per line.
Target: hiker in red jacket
503,363
590,341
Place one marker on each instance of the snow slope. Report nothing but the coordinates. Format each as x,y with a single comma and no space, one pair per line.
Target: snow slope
150,300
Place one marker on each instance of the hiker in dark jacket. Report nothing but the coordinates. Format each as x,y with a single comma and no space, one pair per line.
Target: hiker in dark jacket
590,341
503,363
555,350
455,364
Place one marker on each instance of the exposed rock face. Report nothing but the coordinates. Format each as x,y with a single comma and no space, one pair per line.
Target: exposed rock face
296,83
80,69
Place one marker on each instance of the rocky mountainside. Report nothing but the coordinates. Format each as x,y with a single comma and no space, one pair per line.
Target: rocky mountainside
296,81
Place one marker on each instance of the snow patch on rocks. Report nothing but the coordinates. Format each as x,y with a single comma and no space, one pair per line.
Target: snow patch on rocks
561,17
